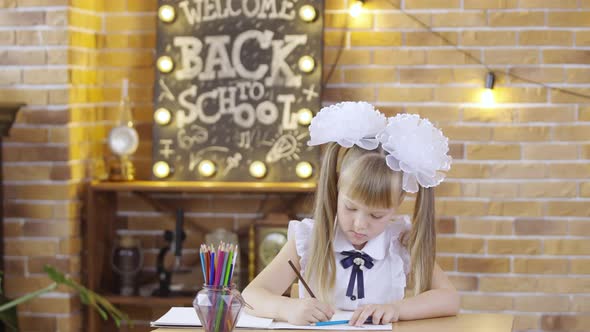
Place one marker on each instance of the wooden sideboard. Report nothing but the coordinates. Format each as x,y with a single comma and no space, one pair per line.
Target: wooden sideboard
99,231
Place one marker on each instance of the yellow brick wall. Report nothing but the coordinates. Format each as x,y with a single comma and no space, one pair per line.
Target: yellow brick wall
514,227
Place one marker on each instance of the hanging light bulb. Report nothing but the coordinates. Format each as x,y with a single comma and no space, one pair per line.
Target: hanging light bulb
306,64
303,170
162,116
304,116
307,13
207,168
257,169
166,13
161,169
356,8
165,64
487,96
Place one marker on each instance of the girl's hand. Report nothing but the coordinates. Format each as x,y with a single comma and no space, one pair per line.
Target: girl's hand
308,310
382,314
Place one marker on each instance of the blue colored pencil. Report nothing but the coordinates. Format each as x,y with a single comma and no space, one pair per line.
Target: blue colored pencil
212,276
331,322
340,322
202,256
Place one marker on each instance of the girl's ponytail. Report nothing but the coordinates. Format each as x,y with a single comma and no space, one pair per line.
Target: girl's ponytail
321,264
422,242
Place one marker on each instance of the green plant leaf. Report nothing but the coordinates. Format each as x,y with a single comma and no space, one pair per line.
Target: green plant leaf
8,317
99,303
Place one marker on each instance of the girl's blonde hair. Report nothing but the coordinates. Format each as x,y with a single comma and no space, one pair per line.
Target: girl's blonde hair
365,177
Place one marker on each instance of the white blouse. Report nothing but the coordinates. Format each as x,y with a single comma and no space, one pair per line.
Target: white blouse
383,283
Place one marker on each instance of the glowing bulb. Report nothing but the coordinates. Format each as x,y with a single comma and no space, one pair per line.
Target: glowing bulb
162,116
207,168
306,63
304,116
356,9
303,170
166,13
307,13
487,97
165,64
258,169
161,169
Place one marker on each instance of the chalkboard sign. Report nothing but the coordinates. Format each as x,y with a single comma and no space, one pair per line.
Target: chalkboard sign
235,83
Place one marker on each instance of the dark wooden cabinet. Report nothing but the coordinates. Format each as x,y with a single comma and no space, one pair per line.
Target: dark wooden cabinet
99,232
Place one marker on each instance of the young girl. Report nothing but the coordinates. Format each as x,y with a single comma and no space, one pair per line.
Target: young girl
358,253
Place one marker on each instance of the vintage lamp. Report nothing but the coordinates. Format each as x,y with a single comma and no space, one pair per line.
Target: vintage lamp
123,141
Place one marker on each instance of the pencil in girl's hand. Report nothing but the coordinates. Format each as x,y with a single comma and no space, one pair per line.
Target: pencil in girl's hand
301,279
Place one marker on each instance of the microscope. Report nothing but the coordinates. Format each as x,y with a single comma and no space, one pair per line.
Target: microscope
174,241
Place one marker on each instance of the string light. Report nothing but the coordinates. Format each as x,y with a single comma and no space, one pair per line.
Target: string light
356,8
162,116
476,59
165,64
166,13
207,168
257,169
304,116
303,170
307,13
487,96
306,64
161,169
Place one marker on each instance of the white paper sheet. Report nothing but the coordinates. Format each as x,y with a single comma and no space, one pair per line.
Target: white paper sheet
187,317
338,315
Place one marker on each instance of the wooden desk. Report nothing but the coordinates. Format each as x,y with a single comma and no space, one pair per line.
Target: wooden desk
462,322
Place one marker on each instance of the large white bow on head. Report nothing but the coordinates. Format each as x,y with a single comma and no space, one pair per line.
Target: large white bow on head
348,124
414,145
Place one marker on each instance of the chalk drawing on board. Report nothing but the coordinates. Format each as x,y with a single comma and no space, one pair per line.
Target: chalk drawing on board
211,151
196,135
310,93
166,151
232,162
245,139
166,93
286,147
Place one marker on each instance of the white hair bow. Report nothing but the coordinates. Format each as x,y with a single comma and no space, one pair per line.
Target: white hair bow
413,145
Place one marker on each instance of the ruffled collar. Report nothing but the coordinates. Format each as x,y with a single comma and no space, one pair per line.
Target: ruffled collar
375,247
378,246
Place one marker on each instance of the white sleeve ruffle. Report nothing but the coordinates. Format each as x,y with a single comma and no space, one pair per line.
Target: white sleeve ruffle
300,231
398,252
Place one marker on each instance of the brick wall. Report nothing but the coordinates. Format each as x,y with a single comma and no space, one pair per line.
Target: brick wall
514,228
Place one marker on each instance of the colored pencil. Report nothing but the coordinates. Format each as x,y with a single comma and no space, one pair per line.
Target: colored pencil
301,279
340,322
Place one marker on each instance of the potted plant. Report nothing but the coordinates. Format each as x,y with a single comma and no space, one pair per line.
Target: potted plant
8,313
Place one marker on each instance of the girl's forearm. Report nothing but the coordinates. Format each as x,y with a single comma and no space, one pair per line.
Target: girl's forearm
265,303
432,303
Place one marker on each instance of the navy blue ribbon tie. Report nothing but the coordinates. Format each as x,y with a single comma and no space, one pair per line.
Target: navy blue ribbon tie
356,259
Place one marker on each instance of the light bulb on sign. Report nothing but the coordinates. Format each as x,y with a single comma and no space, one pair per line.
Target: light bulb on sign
307,13
356,8
303,170
161,169
306,64
165,64
304,116
166,13
207,168
162,116
257,169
